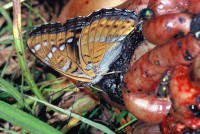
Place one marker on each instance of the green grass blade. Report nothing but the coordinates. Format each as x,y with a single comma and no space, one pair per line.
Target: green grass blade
24,120
121,115
68,112
5,86
36,13
8,19
18,41
128,123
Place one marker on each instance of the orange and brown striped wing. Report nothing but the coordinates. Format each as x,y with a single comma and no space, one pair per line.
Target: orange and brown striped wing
56,45
83,48
102,38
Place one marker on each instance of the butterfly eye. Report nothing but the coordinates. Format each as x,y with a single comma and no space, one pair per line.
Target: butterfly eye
146,14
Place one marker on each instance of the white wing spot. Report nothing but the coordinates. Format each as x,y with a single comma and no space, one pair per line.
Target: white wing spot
62,47
97,38
69,40
46,60
53,49
33,50
37,47
78,72
89,66
103,38
50,55
66,66
44,43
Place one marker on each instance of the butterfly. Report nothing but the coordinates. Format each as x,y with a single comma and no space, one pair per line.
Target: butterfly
84,47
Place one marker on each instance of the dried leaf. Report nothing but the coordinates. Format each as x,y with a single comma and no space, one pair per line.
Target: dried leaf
2,20
4,54
8,54
79,104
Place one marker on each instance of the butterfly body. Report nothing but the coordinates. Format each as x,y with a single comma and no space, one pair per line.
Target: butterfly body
84,47
112,84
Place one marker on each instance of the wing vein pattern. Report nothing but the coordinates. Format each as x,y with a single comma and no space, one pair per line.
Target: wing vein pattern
84,47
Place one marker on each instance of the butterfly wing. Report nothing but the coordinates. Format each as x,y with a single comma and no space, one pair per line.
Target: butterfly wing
56,45
83,48
102,38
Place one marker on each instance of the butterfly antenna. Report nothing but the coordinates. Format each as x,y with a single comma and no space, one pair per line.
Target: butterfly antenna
113,72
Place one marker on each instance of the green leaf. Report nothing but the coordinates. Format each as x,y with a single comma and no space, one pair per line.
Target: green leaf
121,115
20,48
24,120
8,88
50,76
8,19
